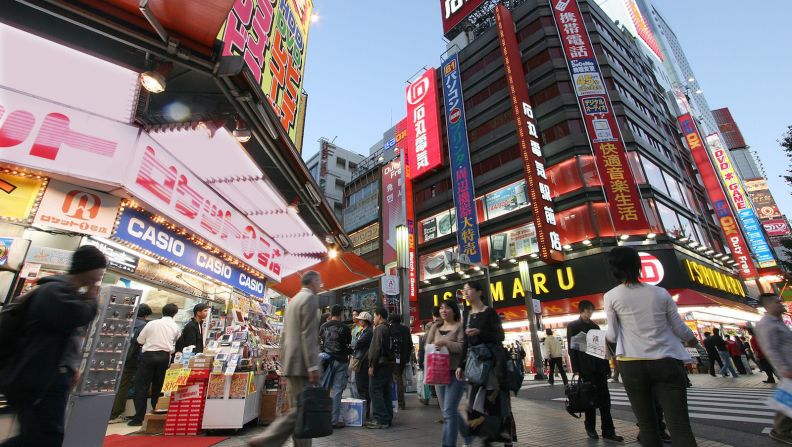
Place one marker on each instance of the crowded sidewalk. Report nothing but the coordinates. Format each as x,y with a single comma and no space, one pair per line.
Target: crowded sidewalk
538,425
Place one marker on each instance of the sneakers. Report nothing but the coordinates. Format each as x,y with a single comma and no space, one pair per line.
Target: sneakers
134,423
118,420
780,437
613,381
374,425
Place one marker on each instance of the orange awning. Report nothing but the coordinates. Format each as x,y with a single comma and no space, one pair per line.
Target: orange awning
348,269
687,297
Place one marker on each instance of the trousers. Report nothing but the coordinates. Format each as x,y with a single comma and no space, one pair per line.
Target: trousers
151,373
41,423
283,428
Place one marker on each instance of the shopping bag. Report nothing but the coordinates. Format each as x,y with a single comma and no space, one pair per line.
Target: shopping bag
438,366
314,414
782,398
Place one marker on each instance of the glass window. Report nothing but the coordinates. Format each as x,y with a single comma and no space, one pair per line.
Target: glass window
603,220
589,168
575,224
669,219
635,167
506,200
687,229
652,216
654,175
564,177
673,189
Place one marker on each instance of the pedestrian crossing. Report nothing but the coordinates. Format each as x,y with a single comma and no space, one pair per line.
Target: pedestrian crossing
744,405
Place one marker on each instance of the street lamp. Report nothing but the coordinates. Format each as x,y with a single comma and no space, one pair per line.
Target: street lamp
403,263
525,277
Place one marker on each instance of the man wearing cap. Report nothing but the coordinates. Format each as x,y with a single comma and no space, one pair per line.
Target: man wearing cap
192,334
38,380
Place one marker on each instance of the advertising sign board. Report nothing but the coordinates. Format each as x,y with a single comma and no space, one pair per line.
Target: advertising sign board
81,210
459,155
731,229
624,200
18,195
740,202
455,11
424,146
392,208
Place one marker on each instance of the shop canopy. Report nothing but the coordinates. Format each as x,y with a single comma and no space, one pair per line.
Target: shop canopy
345,270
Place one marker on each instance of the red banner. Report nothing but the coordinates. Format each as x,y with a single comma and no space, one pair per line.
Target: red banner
776,227
454,11
423,135
724,213
541,199
623,197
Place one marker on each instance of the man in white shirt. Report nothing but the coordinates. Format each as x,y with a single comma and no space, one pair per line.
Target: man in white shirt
553,352
159,341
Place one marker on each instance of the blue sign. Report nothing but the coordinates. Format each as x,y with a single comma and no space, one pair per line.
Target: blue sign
137,228
755,237
459,155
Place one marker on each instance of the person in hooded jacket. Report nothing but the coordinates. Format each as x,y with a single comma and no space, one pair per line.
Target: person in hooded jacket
45,368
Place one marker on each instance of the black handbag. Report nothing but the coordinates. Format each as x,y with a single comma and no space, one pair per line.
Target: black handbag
478,364
579,397
314,414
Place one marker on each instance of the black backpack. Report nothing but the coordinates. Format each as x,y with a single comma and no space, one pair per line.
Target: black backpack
12,323
395,343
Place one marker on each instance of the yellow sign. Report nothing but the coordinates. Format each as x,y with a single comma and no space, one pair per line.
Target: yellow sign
18,195
709,277
174,378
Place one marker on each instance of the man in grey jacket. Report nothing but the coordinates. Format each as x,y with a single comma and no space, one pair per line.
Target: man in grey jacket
299,358
775,339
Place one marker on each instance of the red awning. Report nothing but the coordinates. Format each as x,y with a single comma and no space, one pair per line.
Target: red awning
348,269
687,297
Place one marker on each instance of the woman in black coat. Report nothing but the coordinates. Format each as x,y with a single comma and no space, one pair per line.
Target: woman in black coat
489,406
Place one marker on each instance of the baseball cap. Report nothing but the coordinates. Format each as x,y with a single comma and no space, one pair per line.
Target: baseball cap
365,316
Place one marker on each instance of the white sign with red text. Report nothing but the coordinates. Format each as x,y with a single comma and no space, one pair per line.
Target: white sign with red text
652,271
77,209
43,135
159,179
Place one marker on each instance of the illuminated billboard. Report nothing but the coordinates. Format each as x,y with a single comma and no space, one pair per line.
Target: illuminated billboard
272,37
642,27
424,144
455,11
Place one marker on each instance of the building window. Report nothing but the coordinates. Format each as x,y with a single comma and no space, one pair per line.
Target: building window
590,176
561,130
478,66
489,126
670,220
575,224
652,216
655,176
635,167
486,93
564,177
340,184
352,166
341,163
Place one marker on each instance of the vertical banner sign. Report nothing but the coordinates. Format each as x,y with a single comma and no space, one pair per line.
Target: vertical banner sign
762,200
409,209
624,200
540,197
728,223
461,172
740,201
272,38
392,208
425,145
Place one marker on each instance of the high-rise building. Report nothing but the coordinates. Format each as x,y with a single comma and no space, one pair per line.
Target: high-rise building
332,169
747,163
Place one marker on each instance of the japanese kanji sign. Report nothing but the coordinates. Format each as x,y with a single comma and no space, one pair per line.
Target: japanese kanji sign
461,173
731,229
77,209
740,202
539,194
423,135
621,192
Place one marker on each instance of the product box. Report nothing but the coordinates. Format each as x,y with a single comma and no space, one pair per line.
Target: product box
201,361
154,424
353,411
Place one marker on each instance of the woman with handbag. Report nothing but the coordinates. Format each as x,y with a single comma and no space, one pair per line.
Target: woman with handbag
359,363
483,366
449,334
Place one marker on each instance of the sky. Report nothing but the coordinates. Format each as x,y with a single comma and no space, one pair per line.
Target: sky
360,57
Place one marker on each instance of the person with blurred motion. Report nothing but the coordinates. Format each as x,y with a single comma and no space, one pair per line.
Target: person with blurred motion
712,353
44,360
775,340
299,359
650,337
723,353
448,333
761,359
130,365
553,352
733,348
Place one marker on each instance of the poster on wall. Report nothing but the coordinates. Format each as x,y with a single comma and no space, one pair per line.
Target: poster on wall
74,208
506,200
272,38
514,243
19,194
438,225
437,264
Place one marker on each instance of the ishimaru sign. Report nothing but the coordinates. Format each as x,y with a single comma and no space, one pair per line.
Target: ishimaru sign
137,228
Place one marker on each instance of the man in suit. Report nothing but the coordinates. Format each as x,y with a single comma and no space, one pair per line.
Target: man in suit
192,334
299,358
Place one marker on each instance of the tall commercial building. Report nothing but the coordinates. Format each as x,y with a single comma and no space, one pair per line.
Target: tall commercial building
681,237
332,169
746,161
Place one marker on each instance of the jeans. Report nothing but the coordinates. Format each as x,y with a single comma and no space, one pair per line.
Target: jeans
41,422
151,372
727,364
380,392
352,382
450,395
282,429
602,399
663,381
340,371
556,362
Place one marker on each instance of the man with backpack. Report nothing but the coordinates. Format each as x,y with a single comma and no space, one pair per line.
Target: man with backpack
335,338
381,372
41,338
402,345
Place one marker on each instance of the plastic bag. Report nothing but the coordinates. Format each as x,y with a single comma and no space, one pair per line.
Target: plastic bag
438,366
782,398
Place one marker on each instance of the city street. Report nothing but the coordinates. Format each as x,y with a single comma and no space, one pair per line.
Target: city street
724,412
